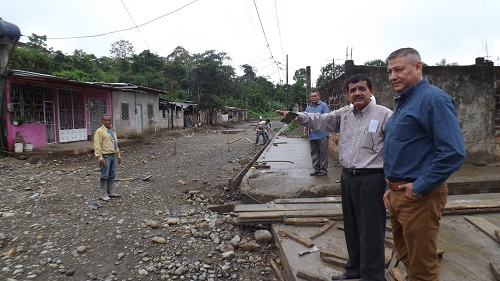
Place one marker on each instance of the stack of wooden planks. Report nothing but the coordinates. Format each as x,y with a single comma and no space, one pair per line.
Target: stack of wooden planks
330,208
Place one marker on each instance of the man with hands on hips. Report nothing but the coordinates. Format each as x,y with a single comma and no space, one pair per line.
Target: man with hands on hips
423,147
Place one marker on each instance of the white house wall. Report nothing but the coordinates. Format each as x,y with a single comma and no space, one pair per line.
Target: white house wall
128,126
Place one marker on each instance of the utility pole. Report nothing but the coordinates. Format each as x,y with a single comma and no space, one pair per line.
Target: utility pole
333,67
308,83
286,90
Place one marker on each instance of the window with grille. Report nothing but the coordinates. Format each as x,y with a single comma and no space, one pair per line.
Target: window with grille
27,102
125,111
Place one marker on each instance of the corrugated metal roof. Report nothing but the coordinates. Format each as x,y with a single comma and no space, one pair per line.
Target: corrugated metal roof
61,80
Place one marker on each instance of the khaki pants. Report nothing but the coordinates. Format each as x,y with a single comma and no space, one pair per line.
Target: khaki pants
415,227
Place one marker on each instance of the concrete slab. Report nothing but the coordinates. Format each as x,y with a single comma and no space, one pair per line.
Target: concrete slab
290,164
288,176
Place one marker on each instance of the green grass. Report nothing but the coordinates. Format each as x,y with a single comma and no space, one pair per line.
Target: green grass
292,126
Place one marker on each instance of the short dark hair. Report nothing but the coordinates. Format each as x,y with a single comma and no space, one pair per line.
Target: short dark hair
315,91
357,78
408,53
268,120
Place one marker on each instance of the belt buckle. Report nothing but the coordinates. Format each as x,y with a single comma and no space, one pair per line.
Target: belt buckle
353,171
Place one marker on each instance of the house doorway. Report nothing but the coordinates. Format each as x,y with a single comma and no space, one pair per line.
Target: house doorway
50,127
71,116
138,117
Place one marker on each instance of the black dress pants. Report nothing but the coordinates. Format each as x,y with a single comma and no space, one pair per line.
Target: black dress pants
364,224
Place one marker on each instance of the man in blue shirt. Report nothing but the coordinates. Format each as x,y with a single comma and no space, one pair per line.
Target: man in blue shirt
318,141
423,147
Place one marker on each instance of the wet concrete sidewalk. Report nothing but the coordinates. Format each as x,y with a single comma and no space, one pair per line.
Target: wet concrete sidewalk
288,164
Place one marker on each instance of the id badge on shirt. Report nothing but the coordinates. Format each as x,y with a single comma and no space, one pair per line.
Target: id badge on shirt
373,126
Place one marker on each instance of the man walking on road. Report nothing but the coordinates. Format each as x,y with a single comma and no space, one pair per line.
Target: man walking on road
318,141
362,133
423,147
108,154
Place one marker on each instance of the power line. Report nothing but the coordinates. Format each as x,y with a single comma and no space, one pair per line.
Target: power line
135,24
279,30
265,37
121,30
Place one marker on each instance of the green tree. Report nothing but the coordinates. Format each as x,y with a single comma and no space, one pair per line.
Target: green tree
147,69
376,62
329,72
34,56
443,62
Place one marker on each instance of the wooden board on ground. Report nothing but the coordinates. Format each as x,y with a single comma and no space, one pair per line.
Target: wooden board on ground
309,276
323,229
495,272
484,225
284,207
330,199
467,251
306,242
329,214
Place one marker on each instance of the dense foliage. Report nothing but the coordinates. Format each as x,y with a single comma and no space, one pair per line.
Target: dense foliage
206,78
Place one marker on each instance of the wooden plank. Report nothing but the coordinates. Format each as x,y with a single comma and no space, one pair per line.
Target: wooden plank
298,213
329,199
440,253
284,207
334,261
388,253
304,220
396,274
306,242
323,229
277,270
327,253
495,272
484,225
309,276
230,142
261,167
394,261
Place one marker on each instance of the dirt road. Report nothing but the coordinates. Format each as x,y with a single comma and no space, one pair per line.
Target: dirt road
54,227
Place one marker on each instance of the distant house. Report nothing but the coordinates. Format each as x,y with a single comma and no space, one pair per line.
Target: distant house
135,109
46,109
234,114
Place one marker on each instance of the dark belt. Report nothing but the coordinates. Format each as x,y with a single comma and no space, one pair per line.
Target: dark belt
394,185
359,172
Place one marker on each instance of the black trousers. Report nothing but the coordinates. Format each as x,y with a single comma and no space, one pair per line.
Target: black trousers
364,224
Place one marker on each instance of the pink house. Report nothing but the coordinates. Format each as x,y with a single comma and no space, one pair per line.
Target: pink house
46,109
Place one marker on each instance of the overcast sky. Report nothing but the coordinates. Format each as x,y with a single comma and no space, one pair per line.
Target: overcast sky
262,32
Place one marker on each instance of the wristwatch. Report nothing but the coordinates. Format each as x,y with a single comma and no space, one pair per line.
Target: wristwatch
414,193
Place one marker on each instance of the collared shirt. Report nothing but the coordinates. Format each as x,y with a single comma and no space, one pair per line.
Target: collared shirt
320,107
104,143
424,142
361,133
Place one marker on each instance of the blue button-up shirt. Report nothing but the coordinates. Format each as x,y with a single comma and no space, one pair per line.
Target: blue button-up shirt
423,140
321,108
